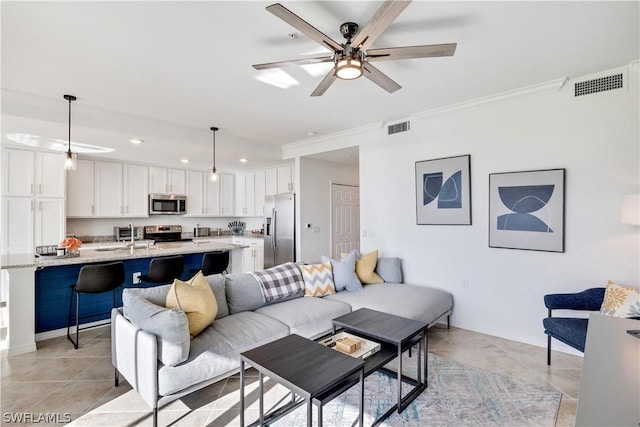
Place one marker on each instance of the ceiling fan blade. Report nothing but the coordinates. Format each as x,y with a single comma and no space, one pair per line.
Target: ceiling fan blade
379,22
379,78
410,52
300,24
325,83
304,61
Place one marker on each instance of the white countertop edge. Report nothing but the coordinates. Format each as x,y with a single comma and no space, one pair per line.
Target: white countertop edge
87,256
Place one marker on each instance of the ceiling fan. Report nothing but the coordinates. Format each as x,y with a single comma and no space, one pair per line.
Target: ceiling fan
353,58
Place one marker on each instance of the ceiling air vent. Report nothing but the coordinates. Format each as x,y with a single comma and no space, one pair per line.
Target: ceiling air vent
398,127
600,84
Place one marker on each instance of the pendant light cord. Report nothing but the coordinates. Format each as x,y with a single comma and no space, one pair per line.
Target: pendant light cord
214,129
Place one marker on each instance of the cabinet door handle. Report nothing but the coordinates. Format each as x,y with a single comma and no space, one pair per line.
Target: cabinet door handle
92,209
40,205
32,189
39,188
127,209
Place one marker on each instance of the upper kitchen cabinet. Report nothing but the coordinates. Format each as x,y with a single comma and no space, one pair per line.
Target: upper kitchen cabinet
203,195
30,173
136,191
107,190
168,181
259,192
279,180
245,194
226,194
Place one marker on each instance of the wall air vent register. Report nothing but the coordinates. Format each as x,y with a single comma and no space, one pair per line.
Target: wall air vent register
398,127
600,84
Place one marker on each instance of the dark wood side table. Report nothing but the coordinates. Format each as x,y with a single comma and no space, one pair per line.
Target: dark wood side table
399,332
310,370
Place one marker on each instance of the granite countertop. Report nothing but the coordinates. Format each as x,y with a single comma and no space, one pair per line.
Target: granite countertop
116,252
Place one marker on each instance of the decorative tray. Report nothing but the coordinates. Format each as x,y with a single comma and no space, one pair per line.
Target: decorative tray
365,349
54,256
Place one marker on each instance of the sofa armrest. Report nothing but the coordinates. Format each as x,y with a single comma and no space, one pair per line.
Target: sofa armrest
589,299
134,353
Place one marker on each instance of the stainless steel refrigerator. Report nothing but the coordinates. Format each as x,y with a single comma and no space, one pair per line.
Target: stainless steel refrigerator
279,229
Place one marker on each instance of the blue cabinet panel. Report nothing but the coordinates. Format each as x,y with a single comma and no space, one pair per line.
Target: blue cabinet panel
53,290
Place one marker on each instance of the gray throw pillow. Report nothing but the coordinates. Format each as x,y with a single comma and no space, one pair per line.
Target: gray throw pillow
344,272
390,269
170,326
217,282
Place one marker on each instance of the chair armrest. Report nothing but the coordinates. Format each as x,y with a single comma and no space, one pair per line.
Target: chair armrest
134,353
589,299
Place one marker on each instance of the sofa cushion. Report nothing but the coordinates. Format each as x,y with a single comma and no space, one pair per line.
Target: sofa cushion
318,280
365,268
196,299
215,352
410,301
245,294
390,269
158,294
216,281
308,317
569,330
344,272
170,326
621,301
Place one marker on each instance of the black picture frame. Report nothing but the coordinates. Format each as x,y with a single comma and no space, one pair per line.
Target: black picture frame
443,191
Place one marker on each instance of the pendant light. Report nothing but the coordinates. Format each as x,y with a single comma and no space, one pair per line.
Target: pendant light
70,163
214,172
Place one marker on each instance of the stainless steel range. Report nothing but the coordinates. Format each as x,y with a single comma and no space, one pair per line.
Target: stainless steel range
164,233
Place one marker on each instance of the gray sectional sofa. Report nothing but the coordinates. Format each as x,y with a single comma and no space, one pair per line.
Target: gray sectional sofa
152,350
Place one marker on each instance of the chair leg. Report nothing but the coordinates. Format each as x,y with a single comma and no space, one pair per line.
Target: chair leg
548,350
448,321
155,417
116,377
76,342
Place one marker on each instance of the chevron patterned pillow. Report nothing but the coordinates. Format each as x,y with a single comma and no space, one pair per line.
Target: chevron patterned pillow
318,280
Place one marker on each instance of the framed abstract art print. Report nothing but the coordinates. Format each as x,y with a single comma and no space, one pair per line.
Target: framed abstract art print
443,191
526,210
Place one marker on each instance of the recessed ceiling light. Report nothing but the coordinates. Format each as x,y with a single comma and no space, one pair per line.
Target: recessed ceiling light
243,160
135,141
184,160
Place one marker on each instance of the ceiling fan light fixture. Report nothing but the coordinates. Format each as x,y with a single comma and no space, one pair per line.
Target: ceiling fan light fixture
348,68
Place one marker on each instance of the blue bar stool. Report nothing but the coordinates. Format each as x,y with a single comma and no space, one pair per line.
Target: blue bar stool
94,279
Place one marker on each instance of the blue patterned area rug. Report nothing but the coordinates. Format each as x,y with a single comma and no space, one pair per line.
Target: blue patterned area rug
458,395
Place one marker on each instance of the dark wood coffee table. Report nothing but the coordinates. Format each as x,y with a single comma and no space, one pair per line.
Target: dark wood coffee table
396,332
313,372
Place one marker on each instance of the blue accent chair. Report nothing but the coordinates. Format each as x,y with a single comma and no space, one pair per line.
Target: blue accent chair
569,330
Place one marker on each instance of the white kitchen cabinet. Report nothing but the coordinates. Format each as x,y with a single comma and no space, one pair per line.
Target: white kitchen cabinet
271,182
211,196
81,190
259,193
195,193
285,179
226,194
136,191
108,190
253,256
279,180
245,194
30,173
202,194
28,222
163,180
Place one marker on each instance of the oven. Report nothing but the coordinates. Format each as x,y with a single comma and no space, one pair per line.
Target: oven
167,204
164,233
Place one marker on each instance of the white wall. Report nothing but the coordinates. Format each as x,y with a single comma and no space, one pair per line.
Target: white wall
595,137
314,187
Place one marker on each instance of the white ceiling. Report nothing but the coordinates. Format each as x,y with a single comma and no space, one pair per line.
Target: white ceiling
166,72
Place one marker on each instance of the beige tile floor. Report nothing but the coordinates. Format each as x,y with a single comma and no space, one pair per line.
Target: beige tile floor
62,382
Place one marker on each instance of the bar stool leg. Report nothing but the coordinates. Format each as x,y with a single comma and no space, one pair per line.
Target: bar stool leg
75,343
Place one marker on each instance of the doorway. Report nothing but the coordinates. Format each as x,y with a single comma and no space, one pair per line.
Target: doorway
345,219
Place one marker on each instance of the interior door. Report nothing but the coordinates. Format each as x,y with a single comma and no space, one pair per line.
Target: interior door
345,219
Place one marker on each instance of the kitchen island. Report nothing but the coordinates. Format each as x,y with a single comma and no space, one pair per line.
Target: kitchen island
37,289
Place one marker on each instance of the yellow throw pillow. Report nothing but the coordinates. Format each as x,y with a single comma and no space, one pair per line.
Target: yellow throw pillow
196,299
620,301
366,266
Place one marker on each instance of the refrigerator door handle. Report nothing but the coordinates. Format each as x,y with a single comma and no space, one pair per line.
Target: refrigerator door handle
275,231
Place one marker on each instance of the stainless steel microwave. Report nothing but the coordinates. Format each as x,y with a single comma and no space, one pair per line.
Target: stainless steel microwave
167,204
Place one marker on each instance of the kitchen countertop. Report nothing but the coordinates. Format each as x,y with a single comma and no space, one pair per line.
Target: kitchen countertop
117,252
